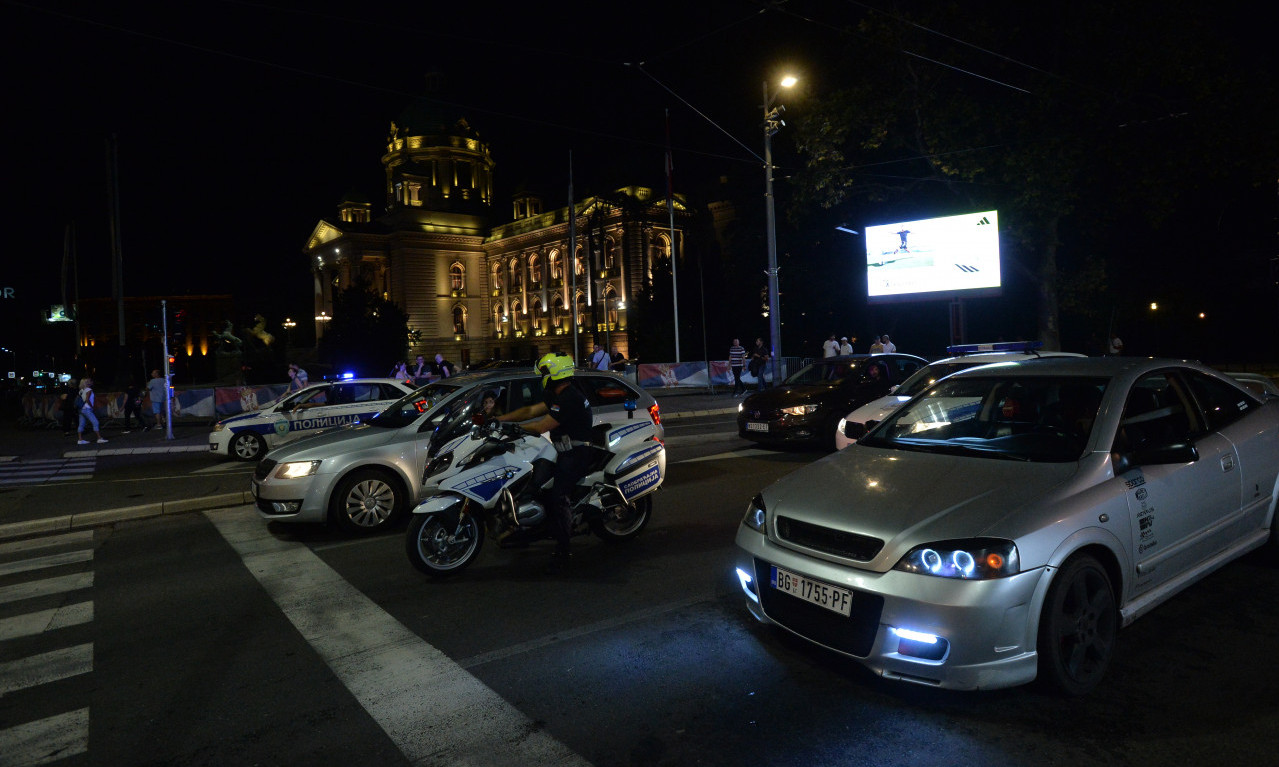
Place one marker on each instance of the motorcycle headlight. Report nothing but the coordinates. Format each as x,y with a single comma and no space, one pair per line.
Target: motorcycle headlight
973,560
297,469
756,515
800,410
437,464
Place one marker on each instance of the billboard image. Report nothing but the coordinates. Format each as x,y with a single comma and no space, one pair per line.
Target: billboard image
948,257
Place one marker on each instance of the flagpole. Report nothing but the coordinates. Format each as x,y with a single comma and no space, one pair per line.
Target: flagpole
670,210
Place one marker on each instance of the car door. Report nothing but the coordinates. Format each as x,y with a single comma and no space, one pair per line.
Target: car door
1227,409
302,415
351,401
1176,510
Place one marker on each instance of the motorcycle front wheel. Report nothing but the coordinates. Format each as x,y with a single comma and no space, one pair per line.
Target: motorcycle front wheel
621,522
440,549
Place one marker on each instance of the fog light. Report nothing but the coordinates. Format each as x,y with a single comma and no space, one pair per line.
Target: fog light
748,584
285,507
917,644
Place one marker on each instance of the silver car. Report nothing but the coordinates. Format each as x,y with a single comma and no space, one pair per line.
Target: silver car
1005,523
364,476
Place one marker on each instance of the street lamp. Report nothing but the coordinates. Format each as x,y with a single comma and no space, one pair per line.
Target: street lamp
288,325
772,124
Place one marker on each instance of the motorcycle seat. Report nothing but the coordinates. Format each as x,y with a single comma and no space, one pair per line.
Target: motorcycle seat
599,434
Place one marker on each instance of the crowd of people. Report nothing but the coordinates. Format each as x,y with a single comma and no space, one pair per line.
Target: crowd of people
422,372
879,345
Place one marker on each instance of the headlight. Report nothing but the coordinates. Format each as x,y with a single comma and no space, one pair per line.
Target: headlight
755,514
219,426
800,410
739,407
975,559
296,470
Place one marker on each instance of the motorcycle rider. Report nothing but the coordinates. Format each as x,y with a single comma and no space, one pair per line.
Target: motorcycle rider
566,413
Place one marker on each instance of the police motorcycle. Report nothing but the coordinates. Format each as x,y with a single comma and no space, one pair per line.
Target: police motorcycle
494,480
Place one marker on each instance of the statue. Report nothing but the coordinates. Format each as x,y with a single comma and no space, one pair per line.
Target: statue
228,341
259,331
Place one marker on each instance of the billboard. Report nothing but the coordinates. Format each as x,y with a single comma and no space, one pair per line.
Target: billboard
934,258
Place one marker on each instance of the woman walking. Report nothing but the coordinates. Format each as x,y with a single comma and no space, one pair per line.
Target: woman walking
86,412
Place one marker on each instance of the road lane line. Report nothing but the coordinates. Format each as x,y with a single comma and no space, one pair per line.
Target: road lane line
45,667
46,740
52,541
40,563
743,453
45,587
432,709
31,624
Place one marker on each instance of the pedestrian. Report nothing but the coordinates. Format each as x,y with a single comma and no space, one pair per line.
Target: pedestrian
760,356
617,361
400,372
889,346
1115,347
831,347
132,405
845,346
297,377
87,401
421,372
737,361
158,391
877,346
599,359
443,368
66,403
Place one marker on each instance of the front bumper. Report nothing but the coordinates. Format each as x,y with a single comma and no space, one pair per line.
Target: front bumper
299,500
988,627
785,428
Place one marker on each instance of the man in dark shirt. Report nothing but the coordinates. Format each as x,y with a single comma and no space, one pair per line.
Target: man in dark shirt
565,412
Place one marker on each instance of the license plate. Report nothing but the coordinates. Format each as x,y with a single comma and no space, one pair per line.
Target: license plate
756,426
833,598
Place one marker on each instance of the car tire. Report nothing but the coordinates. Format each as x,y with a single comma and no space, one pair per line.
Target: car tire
367,500
1078,626
246,447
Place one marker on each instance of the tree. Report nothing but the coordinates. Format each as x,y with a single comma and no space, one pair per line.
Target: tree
367,334
1089,126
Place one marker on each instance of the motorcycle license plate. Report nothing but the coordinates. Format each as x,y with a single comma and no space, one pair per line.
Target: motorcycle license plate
833,598
756,426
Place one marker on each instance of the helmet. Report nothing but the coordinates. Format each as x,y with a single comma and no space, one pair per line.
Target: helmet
554,367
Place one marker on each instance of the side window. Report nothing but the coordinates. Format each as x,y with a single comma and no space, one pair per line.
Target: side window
364,392
1154,414
605,391
388,391
525,391
318,397
905,367
1221,403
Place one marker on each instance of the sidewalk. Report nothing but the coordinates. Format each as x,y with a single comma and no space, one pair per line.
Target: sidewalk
28,445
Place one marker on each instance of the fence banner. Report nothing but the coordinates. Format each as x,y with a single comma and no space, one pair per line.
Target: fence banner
209,403
669,375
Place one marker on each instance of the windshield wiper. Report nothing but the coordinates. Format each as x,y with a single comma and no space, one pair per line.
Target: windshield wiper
957,448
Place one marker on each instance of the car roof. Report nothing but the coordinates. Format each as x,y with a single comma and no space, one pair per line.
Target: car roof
355,380
1003,356
850,357
1099,367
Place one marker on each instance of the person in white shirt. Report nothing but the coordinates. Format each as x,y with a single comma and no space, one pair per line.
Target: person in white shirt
831,347
889,346
1115,346
600,359
844,346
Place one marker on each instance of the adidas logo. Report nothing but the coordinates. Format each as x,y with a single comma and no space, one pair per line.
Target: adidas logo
984,220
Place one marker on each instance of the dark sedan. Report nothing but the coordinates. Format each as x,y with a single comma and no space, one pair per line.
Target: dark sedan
807,406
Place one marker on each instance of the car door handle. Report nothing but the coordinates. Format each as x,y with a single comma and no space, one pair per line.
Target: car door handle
1227,462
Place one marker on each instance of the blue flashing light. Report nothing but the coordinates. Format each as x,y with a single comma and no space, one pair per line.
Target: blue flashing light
347,376
998,346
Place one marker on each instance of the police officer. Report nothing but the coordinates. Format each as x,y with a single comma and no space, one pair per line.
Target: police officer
566,413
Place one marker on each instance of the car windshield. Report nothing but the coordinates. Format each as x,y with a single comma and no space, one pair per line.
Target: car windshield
930,374
1018,417
409,408
823,372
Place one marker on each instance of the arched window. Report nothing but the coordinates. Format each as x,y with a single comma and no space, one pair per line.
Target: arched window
457,276
581,309
611,302
517,276
538,315
557,311
459,319
609,252
535,269
557,271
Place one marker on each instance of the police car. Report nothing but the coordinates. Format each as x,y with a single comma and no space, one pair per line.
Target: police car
309,411
964,356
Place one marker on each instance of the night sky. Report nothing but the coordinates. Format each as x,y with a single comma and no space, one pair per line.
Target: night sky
240,124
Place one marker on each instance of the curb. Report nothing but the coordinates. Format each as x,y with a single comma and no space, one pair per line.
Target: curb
69,522
135,451
696,413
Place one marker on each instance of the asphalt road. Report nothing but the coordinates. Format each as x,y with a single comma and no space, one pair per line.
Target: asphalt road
212,638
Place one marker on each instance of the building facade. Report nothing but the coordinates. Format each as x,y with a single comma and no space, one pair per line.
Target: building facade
472,290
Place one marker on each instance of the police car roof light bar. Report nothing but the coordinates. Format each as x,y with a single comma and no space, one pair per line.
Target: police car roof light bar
998,346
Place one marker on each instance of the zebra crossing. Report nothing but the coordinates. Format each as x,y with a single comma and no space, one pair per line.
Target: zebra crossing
43,471
44,595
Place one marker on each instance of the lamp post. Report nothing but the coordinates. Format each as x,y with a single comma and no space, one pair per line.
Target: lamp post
772,124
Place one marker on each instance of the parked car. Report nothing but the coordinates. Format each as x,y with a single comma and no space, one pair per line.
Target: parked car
809,404
1005,523
313,409
963,357
365,476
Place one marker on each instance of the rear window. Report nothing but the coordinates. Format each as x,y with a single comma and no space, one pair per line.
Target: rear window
605,391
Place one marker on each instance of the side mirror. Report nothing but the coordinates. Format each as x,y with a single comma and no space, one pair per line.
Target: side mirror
1177,452
854,430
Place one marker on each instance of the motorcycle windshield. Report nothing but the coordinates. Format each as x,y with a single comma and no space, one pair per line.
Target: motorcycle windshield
457,421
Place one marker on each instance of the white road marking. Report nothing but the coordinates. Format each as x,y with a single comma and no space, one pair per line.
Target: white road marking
46,740
45,667
45,587
224,468
744,453
53,541
40,563
41,621
432,709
